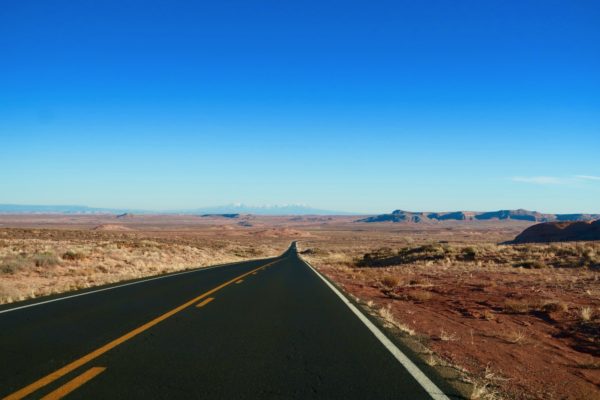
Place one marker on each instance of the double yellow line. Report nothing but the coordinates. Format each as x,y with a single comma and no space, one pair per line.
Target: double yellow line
59,373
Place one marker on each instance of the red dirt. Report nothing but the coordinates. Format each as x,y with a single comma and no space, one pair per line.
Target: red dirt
557,357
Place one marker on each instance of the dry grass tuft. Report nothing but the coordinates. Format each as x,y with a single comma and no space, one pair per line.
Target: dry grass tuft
516,306
388,317
485,388
45,259
555,306
390,281
586,314
13,264
488,315
448,336
594,364
517,337
419,295
71,255
530,264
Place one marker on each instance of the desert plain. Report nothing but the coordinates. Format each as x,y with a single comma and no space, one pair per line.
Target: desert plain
498,320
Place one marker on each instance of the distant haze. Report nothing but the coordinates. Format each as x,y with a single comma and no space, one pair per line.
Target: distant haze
291,209
232,208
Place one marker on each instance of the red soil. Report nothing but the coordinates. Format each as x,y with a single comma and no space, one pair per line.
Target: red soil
534,354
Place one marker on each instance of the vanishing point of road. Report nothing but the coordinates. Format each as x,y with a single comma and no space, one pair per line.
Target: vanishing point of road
261,329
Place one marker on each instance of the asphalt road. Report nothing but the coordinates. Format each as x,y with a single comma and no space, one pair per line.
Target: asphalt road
266,329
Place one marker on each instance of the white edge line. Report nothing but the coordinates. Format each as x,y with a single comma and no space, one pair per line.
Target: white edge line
198,269
430,387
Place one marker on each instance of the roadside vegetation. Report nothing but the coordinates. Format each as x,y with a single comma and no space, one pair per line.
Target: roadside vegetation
502,314
557,255
38,262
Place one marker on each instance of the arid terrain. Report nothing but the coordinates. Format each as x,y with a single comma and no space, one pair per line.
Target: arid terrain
42,255
500,321
513,321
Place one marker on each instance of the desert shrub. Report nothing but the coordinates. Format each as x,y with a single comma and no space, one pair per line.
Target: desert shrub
530,264
103,269
488,315
419,295
376,258
532,256
419,281
390,281
468,253
566,252
385,256
589,258
515,306
554,306
45,260
73,256
11,265
8,292
528,249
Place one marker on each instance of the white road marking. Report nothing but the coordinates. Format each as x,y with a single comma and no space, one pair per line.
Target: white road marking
430,387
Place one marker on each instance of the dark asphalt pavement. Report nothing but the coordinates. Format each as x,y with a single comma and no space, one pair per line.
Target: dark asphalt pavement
277,332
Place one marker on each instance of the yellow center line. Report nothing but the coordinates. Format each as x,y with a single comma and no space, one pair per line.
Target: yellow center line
205,302
27,390
74,384
240,281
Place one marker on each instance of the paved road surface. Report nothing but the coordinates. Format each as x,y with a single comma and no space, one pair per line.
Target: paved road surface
266,329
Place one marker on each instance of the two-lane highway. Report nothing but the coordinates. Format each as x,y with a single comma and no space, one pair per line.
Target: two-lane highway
259,329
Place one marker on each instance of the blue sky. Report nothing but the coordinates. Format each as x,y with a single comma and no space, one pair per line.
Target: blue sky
353,106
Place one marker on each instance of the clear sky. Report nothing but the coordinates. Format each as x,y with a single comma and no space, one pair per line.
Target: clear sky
357,106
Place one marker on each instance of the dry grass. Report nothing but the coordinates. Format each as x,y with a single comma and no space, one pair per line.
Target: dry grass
40,262
515,306
419,295
517,337
390,281
586,313
448,336
554,306
488,315
486,387
385,313
593,364
529,256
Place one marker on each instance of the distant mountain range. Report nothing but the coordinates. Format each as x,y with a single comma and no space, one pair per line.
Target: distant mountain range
519,215
288,209
56,209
